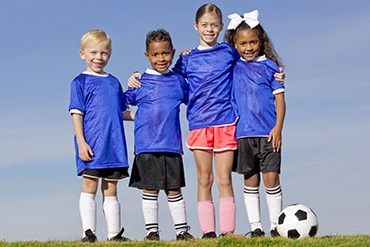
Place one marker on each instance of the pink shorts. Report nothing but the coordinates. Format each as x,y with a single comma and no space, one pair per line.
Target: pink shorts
216,138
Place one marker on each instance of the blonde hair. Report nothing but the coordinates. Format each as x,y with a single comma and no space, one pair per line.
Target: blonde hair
96,35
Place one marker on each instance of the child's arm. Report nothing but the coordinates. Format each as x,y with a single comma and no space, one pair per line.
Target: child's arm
128,115
276,132
132,82
84,150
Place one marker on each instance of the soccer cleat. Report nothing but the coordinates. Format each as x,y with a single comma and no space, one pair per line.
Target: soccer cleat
89,237
210,235
184,235
274,233
257,233
152,236
119,237
225,234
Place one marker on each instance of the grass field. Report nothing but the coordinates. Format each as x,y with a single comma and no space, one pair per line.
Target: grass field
337,241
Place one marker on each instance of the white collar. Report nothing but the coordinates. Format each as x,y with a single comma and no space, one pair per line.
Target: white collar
202,47
154,72
96,74
257,59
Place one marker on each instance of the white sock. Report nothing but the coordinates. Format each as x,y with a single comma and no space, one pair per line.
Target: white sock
150,211
178,212
88,212
252,205
274,204
112,213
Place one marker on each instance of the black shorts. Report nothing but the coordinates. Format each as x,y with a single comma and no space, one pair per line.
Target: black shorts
157,171
256,155
113,174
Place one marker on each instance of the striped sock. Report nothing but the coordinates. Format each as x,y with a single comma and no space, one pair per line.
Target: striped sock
150,212
252,205
274,198
178,212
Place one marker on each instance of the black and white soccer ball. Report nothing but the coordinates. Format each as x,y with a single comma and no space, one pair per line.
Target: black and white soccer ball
297,221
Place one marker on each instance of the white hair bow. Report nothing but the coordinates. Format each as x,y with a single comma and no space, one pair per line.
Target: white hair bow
250,18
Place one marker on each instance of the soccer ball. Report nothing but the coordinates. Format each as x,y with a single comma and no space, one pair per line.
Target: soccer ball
297,221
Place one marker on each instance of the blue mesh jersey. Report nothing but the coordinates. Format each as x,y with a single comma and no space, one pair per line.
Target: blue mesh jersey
157,119
209,74
254,89
101,101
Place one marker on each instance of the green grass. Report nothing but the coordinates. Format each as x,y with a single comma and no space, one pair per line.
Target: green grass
337,241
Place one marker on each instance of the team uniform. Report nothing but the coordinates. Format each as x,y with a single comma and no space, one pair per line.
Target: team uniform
158,143
212,118
158,149
101,101
254,89
209,74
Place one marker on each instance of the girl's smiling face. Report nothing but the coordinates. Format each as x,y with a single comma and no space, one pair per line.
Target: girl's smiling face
208,27
247,44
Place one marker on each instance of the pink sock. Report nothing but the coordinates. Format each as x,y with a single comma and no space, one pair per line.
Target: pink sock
227,215
206,216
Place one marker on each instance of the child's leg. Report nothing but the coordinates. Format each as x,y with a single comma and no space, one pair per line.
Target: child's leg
150,210
176,203
224,162
273,196
252,200
111,207
206,210
87,204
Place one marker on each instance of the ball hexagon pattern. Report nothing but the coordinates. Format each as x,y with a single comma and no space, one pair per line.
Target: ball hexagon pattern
297,221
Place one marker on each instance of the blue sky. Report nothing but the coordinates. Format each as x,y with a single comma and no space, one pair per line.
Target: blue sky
326,139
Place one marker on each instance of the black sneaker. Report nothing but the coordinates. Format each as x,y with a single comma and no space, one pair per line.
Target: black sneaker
225,234
119,237
257,233
274,233
210,235
184,235
89,237
152,236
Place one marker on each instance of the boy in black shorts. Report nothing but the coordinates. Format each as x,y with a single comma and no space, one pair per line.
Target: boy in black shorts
158,143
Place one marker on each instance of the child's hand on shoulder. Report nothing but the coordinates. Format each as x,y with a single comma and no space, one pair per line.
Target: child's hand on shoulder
280,76
184,52
133,82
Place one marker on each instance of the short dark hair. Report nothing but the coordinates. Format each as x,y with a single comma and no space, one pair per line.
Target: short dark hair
156,36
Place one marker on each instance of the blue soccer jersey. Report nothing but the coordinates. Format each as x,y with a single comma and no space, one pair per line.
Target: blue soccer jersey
101,101
254,89
209,74
157,119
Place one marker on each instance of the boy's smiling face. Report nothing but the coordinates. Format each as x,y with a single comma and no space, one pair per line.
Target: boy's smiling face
160,55
96,56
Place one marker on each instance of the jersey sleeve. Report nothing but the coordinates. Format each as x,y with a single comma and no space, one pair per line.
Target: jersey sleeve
122,99
185,89
180,66
77,97
131,96
277,87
